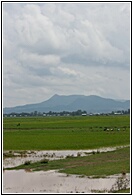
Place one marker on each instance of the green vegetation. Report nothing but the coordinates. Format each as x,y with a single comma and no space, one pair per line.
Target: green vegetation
56,133
97,165
123,191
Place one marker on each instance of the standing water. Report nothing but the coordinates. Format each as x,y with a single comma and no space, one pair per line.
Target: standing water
26,181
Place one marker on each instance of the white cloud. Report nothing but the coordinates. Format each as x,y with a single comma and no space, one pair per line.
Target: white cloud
68,71
65,48
39,60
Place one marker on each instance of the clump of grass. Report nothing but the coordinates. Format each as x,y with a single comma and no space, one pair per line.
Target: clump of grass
69,156
88,153
81,176
27,163
122,183
23,155
44,161
99,191
9,154
78,154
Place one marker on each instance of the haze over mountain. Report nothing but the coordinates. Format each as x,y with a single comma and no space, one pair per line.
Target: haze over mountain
58,103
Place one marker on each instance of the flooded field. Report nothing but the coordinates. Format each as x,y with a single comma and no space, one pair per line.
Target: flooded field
52,181
34,156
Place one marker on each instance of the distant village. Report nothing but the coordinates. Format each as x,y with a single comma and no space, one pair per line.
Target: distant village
65,113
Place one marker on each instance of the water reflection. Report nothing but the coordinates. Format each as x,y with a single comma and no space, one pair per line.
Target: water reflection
51,181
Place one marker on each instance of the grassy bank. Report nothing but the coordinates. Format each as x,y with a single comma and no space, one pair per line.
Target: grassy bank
56,133
97,164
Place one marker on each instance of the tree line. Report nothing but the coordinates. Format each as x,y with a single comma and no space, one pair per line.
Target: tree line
64,113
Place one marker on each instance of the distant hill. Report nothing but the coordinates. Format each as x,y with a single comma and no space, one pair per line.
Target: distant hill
59,103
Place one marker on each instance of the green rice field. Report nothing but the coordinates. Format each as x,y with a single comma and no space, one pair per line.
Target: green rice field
62,133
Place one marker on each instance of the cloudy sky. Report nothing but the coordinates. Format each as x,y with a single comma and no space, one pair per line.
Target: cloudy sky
65,48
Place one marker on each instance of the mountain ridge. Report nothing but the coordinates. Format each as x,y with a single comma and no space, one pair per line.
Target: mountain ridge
58,103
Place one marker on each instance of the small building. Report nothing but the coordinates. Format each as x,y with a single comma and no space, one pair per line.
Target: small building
84,114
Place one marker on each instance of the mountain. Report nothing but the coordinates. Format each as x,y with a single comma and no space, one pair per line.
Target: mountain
59,103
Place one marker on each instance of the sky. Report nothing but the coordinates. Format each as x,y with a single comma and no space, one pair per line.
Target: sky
65,49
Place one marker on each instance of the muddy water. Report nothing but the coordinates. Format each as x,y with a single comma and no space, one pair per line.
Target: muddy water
26,181
51,181
50,154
